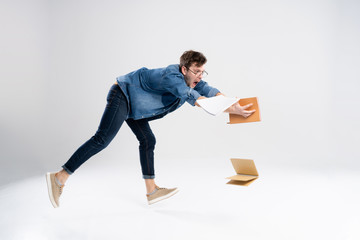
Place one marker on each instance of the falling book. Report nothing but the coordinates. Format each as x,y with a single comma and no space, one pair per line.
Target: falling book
246,172
255,117
216,105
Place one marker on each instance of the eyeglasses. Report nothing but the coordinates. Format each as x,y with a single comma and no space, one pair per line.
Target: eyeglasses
197,74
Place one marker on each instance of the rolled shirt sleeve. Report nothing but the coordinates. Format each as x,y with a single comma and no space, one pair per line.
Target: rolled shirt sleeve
205,90
193,96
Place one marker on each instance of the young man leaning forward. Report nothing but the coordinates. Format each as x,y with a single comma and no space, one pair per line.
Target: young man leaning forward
137,98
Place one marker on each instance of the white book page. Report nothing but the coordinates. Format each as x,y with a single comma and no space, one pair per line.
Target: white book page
216,105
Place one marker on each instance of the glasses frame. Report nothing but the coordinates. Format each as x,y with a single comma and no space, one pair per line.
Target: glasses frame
203,73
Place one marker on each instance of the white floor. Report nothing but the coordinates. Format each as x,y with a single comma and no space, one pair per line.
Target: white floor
109,203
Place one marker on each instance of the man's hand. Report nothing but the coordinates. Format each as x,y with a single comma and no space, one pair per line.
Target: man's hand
240,110
201,97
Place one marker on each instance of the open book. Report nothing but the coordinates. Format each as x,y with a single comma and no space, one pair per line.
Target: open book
246,172
255,117
216,105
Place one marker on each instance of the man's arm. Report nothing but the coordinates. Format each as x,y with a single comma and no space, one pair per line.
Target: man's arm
196,103
202,97
240,110
235,108
205,89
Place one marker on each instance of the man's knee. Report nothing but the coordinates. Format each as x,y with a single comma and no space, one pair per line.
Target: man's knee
101,141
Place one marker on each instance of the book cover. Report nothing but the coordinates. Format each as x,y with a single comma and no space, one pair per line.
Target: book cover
255,117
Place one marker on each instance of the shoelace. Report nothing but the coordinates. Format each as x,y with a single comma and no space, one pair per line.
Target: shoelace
61,189
159,187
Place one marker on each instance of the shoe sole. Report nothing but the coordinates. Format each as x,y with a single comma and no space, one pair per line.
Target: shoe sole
49,186
163,197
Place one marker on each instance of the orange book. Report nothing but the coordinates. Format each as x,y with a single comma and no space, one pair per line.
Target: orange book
255,117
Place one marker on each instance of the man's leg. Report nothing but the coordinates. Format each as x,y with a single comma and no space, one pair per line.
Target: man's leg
115,113
62,176
147,141
150,185
113,117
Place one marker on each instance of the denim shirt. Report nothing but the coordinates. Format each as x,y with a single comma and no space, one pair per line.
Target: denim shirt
153,93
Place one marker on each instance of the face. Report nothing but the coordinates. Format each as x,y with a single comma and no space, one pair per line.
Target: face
193,74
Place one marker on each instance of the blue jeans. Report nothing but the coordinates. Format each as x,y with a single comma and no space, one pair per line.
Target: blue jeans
116,112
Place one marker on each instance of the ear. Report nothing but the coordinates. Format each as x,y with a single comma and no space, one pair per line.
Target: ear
183,70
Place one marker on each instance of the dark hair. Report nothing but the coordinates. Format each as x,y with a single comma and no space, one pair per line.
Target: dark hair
190,57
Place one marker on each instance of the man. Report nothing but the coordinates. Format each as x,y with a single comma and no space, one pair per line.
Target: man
137,98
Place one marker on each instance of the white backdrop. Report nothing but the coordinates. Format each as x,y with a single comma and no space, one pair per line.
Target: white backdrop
300,58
